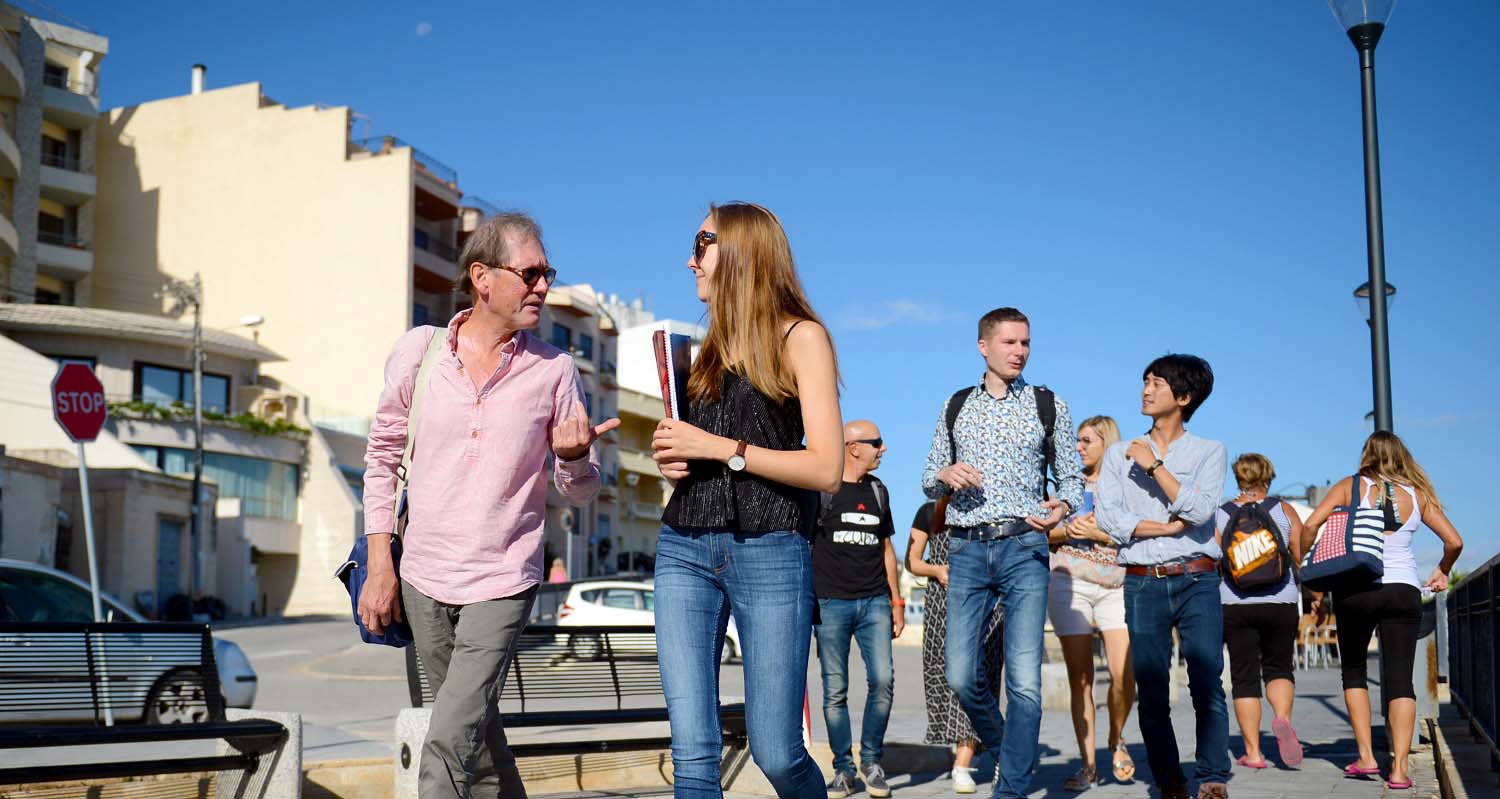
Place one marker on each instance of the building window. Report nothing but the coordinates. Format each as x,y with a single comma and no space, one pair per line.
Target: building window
55,75
562,337
164,385
356,480
588,403
55,153
265,488
418,315
586,346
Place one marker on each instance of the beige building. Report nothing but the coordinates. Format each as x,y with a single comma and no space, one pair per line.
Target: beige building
339,244
49,111
284,512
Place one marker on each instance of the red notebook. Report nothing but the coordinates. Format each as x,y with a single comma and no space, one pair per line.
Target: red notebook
674,353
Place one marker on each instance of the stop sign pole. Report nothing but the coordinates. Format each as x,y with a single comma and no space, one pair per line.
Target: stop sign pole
78,405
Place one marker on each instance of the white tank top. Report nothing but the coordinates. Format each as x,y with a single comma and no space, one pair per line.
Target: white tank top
1400,561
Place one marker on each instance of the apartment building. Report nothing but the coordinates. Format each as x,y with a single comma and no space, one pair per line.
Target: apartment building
49,112
339,242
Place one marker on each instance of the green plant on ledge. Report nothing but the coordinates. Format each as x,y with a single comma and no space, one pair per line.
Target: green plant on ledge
179,411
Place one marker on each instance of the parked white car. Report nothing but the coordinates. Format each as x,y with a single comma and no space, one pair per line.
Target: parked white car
623,603
166,693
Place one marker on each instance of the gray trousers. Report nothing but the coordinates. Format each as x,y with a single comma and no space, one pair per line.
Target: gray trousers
467,650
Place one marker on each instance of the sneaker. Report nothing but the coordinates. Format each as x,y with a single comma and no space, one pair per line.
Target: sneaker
841,786
1213,790
963,780
875,784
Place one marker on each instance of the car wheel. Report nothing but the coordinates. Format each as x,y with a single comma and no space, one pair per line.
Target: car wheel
585,647
178,698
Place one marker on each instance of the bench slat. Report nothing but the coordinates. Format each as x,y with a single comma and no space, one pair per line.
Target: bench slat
135,768
254,735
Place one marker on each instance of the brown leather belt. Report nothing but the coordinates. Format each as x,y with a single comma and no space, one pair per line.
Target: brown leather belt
1195,566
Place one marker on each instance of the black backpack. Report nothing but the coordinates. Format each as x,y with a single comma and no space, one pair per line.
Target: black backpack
1046,411
1256,559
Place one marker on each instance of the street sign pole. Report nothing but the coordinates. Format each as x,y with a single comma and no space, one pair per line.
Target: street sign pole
88,531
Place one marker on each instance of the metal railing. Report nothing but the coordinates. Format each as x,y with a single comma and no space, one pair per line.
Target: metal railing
62,239
426,241
87,88
1473,632
380,145
68,162
9,40
481,205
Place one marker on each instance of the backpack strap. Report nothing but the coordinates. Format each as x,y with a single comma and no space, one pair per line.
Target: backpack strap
414,412
950,418
882,495
1046,410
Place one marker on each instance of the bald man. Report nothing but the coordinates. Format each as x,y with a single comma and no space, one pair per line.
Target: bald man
854,574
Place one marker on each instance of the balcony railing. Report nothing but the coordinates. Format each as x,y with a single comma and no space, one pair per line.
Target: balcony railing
442,249
85,88
1473,670
62,239
481,205
380,145
9,40
68,162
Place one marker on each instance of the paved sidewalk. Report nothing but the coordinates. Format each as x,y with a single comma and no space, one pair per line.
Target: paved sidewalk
1319,718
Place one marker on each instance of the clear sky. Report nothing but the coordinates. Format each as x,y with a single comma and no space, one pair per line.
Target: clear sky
1138,177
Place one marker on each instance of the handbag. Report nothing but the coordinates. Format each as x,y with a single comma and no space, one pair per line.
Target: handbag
1350,549
1095,564
356,568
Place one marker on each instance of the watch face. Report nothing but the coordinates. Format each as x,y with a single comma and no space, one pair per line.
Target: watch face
737,463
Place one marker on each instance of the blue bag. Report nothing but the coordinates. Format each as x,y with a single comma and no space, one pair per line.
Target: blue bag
354,570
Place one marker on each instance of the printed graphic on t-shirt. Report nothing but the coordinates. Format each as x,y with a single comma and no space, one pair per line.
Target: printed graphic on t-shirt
849,544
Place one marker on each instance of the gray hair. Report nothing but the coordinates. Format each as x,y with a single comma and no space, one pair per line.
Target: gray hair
489,244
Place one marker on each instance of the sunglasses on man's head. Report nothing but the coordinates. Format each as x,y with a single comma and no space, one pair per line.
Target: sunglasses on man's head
874,442
531,274
701,242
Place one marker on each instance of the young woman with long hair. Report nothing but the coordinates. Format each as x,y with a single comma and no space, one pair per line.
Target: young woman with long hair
1390,478
733,534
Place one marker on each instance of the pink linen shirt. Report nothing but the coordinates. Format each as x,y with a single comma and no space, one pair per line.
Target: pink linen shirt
477,490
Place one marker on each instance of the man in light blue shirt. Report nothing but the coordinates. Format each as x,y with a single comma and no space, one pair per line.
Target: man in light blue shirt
1157,496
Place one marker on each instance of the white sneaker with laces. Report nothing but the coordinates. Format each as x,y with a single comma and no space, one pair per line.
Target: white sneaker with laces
963,780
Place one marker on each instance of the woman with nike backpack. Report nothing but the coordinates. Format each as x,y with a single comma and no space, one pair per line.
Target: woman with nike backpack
1391,493
1260,596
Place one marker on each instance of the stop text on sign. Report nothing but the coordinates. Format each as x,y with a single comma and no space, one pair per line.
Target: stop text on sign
80,401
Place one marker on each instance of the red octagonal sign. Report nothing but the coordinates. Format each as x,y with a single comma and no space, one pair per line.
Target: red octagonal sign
78,402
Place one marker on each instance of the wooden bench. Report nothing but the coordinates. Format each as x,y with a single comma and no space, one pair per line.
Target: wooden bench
91,684
558,666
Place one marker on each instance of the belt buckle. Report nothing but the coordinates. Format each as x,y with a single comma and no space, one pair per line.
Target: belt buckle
1156,571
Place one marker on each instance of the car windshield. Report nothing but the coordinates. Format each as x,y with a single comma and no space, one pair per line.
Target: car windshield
33,596
622,598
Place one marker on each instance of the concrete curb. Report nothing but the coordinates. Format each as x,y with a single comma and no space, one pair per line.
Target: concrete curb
1449,783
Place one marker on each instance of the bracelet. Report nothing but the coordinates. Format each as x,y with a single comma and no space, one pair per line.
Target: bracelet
900,603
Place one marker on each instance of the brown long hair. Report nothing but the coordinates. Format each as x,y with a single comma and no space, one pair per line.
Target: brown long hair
1386,458
755,292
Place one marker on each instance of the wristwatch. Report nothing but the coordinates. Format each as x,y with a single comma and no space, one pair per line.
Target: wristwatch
1151,470
737,460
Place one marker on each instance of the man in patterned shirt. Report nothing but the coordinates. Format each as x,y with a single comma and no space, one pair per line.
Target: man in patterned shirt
992,467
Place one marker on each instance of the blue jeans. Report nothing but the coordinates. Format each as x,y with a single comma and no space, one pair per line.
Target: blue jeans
1189,602
765,581
1013,572
868,620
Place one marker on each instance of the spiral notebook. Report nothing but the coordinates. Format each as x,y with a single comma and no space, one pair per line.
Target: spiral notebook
674,354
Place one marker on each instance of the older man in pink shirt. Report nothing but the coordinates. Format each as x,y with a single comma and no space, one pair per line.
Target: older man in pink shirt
498,401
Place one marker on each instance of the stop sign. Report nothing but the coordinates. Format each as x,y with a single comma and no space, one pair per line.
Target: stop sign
78,402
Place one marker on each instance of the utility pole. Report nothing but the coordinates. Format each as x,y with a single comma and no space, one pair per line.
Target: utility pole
190,295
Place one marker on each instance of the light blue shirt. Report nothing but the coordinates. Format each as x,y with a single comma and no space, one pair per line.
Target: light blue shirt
1127,496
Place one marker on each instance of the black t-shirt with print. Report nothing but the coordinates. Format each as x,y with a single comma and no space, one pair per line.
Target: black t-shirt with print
849,544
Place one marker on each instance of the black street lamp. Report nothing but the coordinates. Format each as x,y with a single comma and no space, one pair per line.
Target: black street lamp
1362,299
1364,20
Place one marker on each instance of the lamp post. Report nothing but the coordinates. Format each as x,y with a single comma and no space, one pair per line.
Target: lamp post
1364,20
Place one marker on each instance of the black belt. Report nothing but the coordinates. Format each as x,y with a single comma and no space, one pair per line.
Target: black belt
1006,528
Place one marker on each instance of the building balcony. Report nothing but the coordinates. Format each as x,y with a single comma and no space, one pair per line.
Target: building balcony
67,181
643,510
638,462
12,78
178,434
434,256
10,154
10,245
64,255
269,535
73,104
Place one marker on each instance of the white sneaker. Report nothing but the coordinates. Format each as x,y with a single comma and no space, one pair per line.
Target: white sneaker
963,780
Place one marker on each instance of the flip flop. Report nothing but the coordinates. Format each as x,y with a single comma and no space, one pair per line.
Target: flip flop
1398,786
1248,763
1124,769
1287,743
1356,770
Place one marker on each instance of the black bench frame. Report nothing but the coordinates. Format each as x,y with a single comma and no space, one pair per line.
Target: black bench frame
251,737
545,647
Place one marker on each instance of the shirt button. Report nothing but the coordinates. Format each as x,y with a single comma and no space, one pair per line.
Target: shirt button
479,400
474,434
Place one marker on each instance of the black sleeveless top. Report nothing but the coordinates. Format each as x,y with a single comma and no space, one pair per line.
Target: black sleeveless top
712,496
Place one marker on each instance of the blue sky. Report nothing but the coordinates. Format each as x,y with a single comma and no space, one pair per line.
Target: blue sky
1138,177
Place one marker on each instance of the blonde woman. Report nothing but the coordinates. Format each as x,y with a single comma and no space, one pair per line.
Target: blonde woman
732,541
1390,478
1087,593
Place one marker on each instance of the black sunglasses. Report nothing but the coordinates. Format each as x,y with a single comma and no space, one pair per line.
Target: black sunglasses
874,442
701,242
531,274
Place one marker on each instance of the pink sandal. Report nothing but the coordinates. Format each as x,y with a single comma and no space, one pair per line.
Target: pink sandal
1356,770
1248,763
1287,743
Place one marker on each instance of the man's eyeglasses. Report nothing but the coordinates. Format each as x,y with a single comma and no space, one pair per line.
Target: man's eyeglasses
531,274
701,242
874,442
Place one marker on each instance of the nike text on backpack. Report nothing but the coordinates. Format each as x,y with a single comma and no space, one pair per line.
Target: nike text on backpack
1256,559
